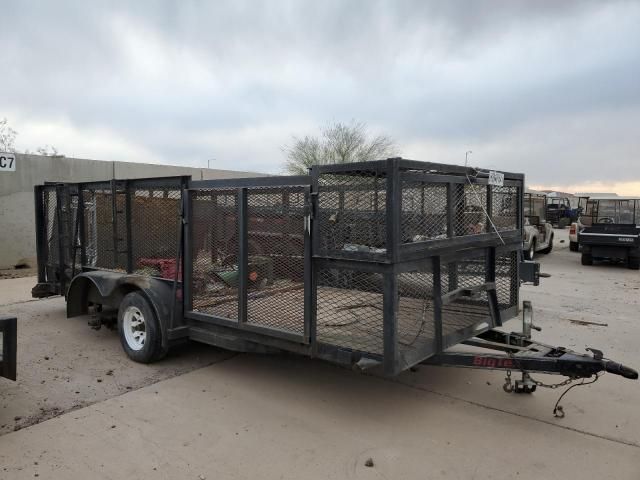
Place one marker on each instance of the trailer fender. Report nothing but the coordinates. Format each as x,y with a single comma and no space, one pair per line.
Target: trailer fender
109,288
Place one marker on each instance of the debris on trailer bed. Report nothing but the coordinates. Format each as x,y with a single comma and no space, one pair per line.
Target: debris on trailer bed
385,263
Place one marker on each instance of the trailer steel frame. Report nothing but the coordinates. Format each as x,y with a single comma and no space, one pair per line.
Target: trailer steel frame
427,254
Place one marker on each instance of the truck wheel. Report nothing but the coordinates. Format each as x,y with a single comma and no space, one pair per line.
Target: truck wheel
550,247
634,263
587,259
139,329
529,254
573,246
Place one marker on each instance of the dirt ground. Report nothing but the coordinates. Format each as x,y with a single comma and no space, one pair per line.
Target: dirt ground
250,416
64,364
17,272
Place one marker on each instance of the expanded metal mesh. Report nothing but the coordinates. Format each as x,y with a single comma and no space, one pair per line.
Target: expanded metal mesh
155,224
464,311
275,297
51,224
504,207
350,309
214,232
424,211
470,203
105,229
351,213
416,325
507,281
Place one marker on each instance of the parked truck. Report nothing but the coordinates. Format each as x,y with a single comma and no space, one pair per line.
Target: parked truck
609,231
385,263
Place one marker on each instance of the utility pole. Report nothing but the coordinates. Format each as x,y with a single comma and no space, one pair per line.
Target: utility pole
466,157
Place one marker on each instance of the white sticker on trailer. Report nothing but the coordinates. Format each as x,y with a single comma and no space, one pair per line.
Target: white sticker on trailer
7,162
496,178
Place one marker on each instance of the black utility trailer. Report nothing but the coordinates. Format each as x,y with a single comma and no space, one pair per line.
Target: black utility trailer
387,263
8,343
611,231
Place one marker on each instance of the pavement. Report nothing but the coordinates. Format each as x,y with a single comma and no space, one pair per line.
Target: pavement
250,416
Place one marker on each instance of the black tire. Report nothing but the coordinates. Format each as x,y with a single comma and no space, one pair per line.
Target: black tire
574,246
586,259
634,263
550,247
142,342
531,252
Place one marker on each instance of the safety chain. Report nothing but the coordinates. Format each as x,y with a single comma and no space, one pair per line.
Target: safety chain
553,385
508,385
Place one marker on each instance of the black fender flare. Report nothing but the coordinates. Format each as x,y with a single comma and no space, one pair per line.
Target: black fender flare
112,288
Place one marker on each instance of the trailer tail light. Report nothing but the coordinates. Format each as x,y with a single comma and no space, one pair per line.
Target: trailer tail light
572,230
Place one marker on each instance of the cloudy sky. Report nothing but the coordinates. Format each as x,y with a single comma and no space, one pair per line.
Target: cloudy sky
548,88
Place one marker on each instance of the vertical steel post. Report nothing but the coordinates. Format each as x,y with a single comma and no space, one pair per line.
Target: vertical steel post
187,245
437,303
81,229
127,213
60,232
38,195
489,207
390,288
114,222
393,209
492,296
450,210
314,248
309,298
390,323
243,256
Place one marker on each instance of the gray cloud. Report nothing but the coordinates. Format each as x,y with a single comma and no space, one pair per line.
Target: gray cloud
522,83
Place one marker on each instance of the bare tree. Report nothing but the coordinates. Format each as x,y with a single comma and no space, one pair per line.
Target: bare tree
7,137
338,143
47,150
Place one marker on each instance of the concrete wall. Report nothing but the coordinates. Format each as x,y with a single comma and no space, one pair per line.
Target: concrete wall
17,224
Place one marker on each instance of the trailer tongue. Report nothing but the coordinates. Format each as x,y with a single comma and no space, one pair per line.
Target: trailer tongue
388,263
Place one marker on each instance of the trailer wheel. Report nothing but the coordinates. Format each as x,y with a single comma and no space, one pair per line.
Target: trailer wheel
586,259
139,330
634,263
573,246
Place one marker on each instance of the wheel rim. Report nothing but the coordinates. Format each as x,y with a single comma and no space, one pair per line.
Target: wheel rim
532,251
134,327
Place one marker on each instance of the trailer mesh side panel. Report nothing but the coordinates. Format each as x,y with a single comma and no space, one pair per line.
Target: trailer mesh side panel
464,312
155,223
470,203
51,225
349,309
504,207
214,221
507,279
416,326
275,297
352,215
424,211
105,247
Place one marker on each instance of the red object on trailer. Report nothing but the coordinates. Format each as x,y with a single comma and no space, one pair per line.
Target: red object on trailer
167,267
